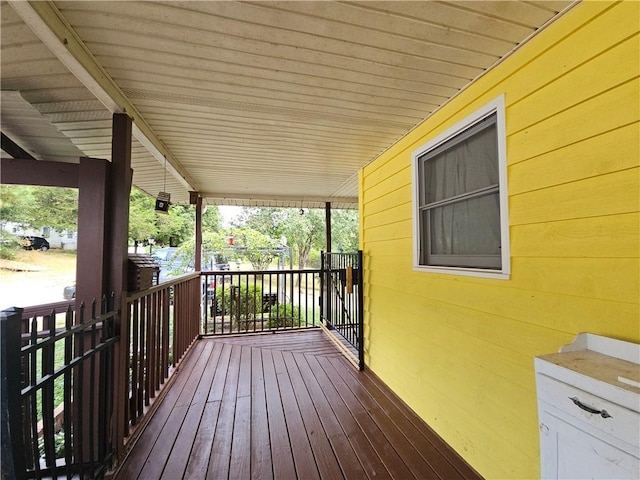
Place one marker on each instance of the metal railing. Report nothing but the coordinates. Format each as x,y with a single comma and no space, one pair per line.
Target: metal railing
259,301
57,392
342,303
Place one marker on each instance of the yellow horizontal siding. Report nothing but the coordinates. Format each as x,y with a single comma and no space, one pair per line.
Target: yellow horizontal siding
459,350
608,152
611,236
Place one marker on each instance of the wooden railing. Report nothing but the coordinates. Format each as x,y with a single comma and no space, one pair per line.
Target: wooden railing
76,390
160,325
57,391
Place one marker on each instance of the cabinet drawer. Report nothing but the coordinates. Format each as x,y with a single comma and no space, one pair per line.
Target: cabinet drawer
615,420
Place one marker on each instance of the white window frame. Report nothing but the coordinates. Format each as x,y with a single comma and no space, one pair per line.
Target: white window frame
496,106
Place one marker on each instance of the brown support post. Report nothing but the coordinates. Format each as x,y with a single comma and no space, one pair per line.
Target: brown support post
198,253
327,221
91,268
120,188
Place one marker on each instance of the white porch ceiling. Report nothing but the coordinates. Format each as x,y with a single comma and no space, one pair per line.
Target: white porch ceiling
252,103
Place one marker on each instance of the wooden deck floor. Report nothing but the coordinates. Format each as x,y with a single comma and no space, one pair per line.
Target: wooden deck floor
284,406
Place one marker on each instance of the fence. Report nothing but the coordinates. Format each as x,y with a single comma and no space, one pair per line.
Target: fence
57,392
259,301
342,302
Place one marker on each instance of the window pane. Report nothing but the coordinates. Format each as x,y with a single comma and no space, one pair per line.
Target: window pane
468,227
467,166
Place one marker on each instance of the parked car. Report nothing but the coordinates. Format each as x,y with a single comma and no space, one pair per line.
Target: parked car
216,262
69,292
35,243
171,262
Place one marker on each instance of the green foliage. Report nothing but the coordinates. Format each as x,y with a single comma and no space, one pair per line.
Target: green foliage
58,445
35,207
285,315
267,220
345,231
9,245
305,231
256,247
177,227
142,218
211,219
242,303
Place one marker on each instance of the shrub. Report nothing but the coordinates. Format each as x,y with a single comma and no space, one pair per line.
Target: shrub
284,315
9,245
241,303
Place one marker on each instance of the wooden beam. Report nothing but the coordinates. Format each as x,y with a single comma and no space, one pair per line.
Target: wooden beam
26,171
13,149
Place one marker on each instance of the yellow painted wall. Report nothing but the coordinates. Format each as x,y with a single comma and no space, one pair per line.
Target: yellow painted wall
459,350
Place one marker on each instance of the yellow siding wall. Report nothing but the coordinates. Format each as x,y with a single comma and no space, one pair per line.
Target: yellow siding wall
459,350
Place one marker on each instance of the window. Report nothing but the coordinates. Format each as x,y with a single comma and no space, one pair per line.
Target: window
46,231
460,200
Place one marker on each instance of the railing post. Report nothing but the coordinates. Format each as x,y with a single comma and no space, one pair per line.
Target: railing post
13,464
360,281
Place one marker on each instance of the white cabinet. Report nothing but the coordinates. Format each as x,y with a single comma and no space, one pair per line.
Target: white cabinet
589,410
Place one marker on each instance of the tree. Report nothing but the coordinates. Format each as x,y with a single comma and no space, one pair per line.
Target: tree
35,207
14,203
345,231
258,248
174,228
211,219
142,218
268,220
305,229
54,207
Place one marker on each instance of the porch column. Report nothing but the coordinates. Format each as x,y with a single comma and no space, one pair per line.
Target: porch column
118,221
119,191
91,259
327,221
198,241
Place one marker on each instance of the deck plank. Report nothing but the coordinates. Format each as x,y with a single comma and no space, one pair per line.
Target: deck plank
302,453
285,406
343,450
261,464
138,456
221,449
281,454
181,452
326,461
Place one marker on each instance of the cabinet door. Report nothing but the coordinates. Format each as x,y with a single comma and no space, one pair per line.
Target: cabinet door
571,453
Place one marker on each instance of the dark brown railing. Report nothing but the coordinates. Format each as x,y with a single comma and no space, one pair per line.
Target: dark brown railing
259,301
57,392
161,324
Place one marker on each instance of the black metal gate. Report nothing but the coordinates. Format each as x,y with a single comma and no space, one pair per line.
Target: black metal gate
341,302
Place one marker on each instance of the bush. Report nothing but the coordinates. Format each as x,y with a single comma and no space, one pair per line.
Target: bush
9,245
241,303
285,315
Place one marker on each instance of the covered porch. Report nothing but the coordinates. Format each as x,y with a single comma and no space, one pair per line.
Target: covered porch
226,103
284,406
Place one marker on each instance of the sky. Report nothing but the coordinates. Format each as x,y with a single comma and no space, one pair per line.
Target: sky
228,213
